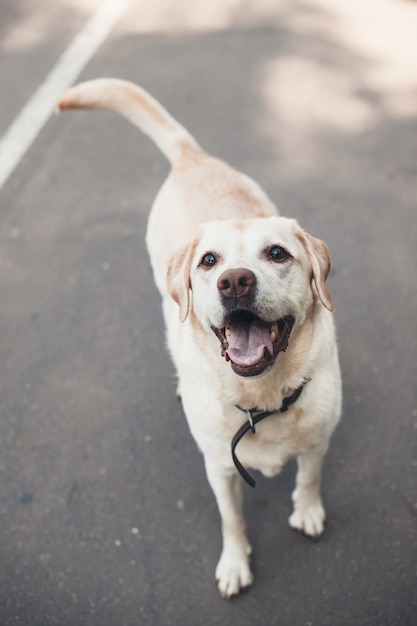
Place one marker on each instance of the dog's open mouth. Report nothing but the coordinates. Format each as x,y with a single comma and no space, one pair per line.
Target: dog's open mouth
251,344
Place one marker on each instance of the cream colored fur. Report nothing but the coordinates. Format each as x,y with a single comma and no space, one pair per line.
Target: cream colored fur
205,206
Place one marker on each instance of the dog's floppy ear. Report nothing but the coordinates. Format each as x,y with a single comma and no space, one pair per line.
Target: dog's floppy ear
319,257
178,278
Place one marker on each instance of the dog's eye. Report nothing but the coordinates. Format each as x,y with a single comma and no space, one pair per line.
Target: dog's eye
278,254
208,260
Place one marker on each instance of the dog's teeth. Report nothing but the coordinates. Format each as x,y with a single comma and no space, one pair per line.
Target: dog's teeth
227,332
273,331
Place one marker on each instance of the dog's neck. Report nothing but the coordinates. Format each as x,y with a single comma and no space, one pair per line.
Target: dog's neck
254,417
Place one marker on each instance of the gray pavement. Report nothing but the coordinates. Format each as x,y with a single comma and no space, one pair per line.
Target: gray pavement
106,516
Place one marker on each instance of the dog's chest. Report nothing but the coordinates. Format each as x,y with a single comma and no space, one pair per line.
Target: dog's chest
275,441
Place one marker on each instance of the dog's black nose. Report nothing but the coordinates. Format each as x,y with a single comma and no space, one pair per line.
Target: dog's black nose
236,283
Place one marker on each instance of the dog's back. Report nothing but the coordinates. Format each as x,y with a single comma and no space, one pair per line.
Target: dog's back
199,188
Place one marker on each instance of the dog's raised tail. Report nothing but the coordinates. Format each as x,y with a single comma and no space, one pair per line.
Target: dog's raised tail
138,106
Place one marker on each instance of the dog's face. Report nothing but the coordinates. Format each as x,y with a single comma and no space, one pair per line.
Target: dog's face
250,282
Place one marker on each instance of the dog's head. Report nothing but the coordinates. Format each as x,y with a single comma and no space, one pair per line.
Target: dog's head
250,281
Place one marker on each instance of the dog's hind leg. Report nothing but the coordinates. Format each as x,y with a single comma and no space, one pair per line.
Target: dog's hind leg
309,514
233,571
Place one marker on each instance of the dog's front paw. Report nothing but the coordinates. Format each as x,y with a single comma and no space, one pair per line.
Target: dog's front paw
308,516
233,575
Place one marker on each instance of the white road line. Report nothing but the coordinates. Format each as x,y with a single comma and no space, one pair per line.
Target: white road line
34,115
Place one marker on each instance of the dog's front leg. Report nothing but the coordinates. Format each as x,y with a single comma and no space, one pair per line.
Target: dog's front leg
309,514
233,570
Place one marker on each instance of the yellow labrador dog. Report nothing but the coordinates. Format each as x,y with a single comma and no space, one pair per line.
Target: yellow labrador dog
249,323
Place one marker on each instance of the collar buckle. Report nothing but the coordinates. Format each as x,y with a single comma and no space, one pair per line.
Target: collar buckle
250,420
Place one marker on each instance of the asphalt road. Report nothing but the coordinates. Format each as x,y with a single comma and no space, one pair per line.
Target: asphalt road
106,516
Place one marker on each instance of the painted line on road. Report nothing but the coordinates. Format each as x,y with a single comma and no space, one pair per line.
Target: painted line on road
34,115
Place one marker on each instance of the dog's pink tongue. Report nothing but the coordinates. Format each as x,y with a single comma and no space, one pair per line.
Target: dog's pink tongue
248,341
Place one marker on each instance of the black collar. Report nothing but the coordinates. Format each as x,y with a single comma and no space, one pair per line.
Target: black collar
255,419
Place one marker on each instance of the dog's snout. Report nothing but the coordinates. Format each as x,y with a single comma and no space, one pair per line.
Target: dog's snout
236,283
